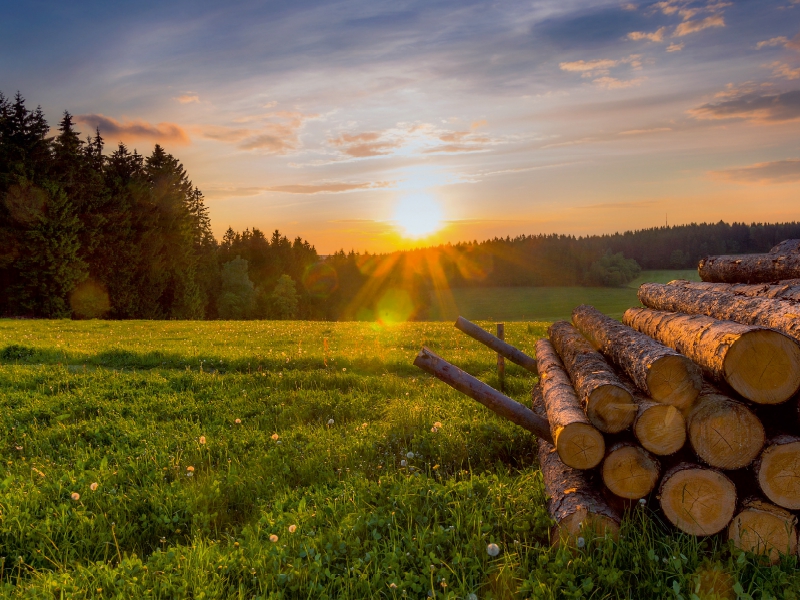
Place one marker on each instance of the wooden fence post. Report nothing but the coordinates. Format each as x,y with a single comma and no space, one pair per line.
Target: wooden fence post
501,362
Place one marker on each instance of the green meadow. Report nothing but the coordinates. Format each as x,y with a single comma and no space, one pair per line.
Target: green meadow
544,303
253,460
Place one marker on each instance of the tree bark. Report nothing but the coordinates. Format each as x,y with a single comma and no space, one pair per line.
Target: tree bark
665,375
763,528
782,262
575,498
783,290
502,348
777,471
724,433
604,398
697,500
477,390
760,364
629,470
578,443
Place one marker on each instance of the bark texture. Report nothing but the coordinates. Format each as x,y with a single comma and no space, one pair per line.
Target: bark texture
782,262
605,399
763,528
760,364
724,433
630,471
784,290
697,500
661,372
777,471
579,444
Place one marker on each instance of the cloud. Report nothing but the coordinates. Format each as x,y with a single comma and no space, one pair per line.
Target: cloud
612,83
224,134
216,193
129,130
366,144
675,47
794,43
278,132
754,107
641,131
600,69
780,69
587,67
688,27
772,42
332,187
655,36
187,98
778,171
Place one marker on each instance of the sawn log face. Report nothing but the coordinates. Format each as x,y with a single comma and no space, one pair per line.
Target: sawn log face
697,500
764,528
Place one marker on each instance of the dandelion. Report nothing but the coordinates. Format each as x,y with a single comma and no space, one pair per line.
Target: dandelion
93,487
581,542
393,586
344,369
434,430
18,447
202,439
410,455
363,425
75,496
435,467
275,436
493,549
403,463
238,421
443,584
292,528
273,538
642,501
438,425
330,421
472,597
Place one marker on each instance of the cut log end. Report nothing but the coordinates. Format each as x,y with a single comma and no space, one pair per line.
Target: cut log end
765,529
764,366
661,429
779,474
582,524
629,471
674,380
580,445
696,500
610,408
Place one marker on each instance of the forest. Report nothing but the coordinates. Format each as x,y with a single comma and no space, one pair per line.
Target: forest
89,232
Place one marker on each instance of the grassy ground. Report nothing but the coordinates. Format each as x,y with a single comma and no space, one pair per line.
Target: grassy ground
545,303
226,460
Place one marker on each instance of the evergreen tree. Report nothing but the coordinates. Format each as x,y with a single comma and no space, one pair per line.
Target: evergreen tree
237,294
284,298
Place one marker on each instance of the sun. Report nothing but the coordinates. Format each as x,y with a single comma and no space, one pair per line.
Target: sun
418,215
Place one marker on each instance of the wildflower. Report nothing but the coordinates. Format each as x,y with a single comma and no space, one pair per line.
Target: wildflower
493,549
18,447
363,425
435,467
344,369
410,455
273,538
93,487
403,463
472,597
292,528
393,586
330,421
75,496
238,421
438,425
434,430
581,542
202,439
443,584
275,436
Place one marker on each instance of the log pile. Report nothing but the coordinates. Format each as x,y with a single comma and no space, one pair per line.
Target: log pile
691,404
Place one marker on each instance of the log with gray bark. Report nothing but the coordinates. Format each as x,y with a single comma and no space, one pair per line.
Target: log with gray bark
760,364
629,470
606,401
661,372
495,343
777,471
782,290
697,500
575,497
579,444
782,262
477,390
763,528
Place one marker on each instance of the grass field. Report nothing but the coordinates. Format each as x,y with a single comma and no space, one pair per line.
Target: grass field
227,460
545,303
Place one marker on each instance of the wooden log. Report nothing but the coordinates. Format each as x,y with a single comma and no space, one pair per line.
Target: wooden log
760,364
784,290
606,401
575,497
661,372
763,528
477,390
629,470
576,440
782,262
697,500
777,471
724,433
659,428
502,348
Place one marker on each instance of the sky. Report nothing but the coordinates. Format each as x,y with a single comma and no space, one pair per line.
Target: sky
374,125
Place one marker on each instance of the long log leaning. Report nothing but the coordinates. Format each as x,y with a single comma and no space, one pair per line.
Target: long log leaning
495,343
579,444
575,498
697,500
782,262
629,470
724,433
498,403
777,471
760,364
783,290
605,399
763,528
661,372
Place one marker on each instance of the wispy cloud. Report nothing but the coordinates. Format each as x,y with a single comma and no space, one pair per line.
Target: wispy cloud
644,131
366,144
653,36
274,132
187,98
772,42
688,27
778,171
330,187
754,107
783,70
675,47
599,71
130,130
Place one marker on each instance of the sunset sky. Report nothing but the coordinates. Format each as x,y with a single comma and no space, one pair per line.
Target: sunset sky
365,124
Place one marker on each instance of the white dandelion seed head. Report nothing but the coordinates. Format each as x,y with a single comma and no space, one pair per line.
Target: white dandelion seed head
642,501
493,549
472,597
581,542
410,455
403,463
330,421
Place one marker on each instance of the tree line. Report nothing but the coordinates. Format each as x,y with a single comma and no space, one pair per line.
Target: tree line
88,233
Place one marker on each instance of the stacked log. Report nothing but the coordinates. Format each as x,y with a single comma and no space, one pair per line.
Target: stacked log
782,262
782,290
